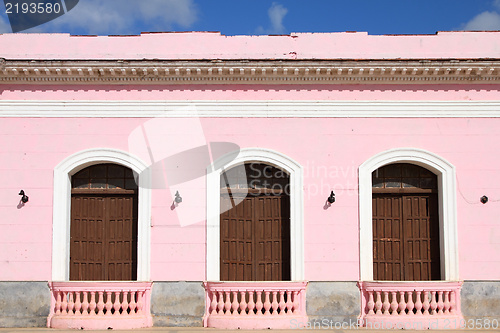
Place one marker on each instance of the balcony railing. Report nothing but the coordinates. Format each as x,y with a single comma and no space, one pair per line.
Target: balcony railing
411,305
100,305
255,305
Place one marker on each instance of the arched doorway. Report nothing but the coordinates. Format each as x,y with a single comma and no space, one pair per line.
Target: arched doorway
104,224
255,223
405,223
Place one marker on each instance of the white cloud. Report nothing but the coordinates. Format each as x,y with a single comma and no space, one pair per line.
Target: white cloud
276,15
484,21
115,17
496,4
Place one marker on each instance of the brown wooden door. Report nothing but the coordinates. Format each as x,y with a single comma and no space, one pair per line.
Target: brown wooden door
103,238
405,237
103,245
255,238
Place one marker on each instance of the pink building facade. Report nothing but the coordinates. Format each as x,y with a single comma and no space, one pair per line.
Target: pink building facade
186,179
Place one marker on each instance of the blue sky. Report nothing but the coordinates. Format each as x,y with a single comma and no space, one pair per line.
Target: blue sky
257,17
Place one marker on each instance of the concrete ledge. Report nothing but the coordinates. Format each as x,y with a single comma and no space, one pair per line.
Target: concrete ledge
332,302
481,300
24,304
177,304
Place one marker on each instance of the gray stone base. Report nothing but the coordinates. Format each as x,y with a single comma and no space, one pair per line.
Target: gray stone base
24,304
182,304
481,300
177,304
332,302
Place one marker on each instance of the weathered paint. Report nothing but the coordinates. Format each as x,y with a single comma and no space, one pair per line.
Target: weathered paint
202,45
330,151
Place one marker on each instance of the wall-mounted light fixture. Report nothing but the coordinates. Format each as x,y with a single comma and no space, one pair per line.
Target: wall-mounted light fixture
329,201
24,198
178,198
484,199
331,198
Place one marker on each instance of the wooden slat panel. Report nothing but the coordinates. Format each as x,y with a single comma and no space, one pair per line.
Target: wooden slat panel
405,237
255,239
236,240
103,238
421,237
87,238
121,238
387,238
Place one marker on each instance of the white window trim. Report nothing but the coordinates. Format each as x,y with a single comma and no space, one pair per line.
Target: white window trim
296,207
445,172
62,207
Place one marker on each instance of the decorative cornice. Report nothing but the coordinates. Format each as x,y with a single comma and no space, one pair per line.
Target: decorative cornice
247,109
250,71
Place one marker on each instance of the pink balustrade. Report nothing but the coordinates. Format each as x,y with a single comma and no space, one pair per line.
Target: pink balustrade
255,305
411,305
100,305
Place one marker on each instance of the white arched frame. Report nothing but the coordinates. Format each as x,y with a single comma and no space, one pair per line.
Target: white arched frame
445,172
296,206
62,207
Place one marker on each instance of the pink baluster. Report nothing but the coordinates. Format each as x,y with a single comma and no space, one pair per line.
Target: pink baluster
386,305
426,305
295,301
440,303
108,304
409,304
259,304
446,302
433,303
227,304
274,304
370,304
243,302
378,303
58,302
140,302
235,304
133,304
64,303
100,303
220,304
251,303
289,304
93,304
213,304
124,305
78,303
85,304
282,303
267,304
402,303
71,304
418,303
394,304
117,305
453,302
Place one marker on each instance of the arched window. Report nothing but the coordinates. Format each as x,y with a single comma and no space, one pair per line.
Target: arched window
255,223
405,223
267,158
103,230
63,176
446,199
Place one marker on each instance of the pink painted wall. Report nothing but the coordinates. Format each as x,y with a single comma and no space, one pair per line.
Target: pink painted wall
330,149
206,45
